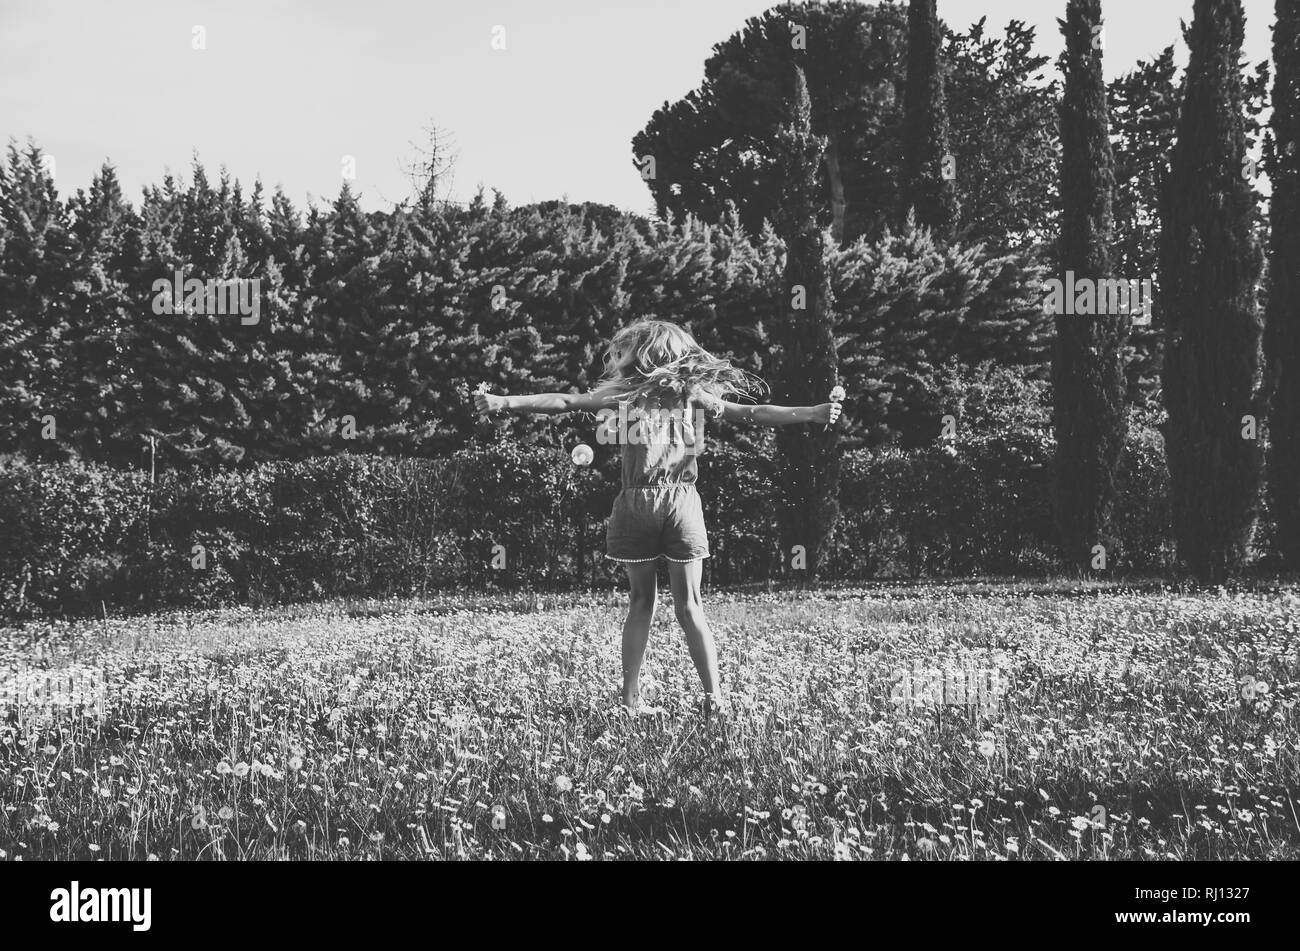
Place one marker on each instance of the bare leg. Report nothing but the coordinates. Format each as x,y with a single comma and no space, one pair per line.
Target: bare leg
685,580
636,629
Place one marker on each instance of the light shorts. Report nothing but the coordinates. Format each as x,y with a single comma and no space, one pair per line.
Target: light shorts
657,521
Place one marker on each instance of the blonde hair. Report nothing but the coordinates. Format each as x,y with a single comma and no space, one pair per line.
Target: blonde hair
657,358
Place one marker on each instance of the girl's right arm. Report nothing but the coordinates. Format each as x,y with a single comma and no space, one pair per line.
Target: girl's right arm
548,403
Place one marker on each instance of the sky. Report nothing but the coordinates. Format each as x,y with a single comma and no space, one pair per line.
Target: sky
291,90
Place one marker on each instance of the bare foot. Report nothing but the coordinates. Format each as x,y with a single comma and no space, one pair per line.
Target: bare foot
715,705
638,709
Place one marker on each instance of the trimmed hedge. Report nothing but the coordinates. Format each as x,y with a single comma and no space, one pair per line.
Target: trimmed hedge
81,538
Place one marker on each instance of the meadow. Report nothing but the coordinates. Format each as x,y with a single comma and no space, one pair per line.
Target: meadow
991,722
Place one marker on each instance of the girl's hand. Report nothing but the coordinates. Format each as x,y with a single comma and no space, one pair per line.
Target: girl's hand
488,403
826,413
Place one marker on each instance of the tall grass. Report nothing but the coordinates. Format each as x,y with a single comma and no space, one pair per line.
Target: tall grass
1123,725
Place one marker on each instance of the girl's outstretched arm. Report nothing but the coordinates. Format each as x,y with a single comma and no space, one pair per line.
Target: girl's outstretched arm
548,403
768,415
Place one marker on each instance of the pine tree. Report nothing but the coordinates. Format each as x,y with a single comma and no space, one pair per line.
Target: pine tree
191,387
713,147
1209,264
1282,330
1087,373
344,243
101,317
806,361
925,187
37,255
304,408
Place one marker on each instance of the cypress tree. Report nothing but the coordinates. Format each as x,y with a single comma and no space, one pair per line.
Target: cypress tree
1087,371
806,350
1209,265
925,126
1282,333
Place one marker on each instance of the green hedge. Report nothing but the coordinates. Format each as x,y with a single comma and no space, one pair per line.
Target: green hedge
339,526
82,538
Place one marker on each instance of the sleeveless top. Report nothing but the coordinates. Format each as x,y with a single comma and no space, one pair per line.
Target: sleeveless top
660,440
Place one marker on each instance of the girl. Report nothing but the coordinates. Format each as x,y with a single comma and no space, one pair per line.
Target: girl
659,378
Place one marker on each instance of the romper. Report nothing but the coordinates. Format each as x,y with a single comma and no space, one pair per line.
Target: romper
657,513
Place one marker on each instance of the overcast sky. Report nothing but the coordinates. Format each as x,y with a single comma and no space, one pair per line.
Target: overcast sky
286,88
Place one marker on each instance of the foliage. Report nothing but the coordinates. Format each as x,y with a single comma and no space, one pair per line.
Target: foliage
1282,328
1087,370
1209,266
86,538
927,191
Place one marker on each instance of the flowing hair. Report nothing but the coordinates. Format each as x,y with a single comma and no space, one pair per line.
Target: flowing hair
655,358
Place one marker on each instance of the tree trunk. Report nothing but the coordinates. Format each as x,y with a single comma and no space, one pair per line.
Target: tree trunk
838,205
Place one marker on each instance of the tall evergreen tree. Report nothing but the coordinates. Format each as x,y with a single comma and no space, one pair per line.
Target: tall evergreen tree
1087,373
925,188
94,393
806,357
37,267
1282,329
189,391
1209,265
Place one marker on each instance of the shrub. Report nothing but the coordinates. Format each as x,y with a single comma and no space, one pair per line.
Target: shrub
370,526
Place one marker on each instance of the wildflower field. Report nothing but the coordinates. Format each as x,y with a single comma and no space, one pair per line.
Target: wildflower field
999,722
